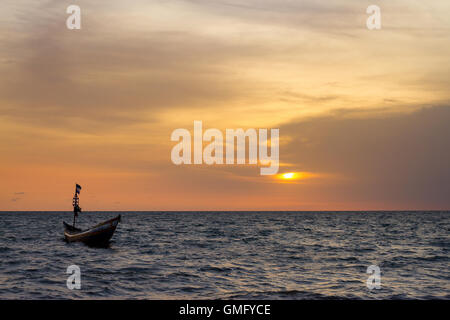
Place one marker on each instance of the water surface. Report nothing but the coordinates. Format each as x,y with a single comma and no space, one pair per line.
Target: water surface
229,255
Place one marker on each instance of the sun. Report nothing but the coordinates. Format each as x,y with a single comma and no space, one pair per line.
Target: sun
288,175
294,176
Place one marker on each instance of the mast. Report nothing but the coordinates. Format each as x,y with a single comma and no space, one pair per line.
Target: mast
75,203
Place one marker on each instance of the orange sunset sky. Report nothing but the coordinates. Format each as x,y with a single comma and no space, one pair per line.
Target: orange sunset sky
363,115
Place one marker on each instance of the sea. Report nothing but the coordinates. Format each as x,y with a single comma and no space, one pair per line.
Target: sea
230,255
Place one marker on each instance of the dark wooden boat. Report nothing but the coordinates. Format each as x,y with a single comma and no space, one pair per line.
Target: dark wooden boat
98,235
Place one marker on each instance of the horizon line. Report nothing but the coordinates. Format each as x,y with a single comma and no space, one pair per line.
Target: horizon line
251,211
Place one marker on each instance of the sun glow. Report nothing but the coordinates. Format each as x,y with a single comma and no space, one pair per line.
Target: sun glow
289,175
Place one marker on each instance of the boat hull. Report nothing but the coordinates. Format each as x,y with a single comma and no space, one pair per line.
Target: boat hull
98,235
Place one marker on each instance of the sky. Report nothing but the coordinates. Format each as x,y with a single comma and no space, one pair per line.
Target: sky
363,114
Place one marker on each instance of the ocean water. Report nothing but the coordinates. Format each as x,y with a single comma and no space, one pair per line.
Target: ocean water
229,255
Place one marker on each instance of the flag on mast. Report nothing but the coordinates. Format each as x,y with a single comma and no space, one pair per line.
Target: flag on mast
78,189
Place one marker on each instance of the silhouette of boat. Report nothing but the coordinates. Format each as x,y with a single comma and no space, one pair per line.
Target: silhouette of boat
98,235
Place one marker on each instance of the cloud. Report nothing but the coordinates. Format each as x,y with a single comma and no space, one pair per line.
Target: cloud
15,199
393,160
96,79
333,17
